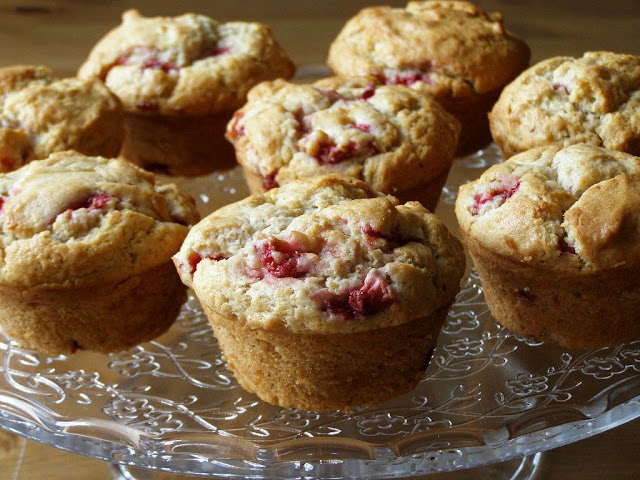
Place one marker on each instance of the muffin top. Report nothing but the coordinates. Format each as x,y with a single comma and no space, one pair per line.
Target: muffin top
594,99
574,208
324,255
185,65
41,114
76,221
391,137
443,48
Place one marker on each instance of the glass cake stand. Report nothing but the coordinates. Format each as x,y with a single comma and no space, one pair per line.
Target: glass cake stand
171,406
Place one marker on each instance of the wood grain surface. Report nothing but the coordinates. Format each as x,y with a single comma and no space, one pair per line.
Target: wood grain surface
60,34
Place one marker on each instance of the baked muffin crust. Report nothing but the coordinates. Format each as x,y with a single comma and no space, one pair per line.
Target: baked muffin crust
41,114
75,221
85,247
573,207
184,65
439,47
593,99
392,137
554,233
325,255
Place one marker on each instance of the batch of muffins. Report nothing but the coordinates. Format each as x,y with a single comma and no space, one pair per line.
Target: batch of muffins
326,287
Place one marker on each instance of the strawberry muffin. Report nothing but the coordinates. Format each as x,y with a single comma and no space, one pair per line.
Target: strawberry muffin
86,254
324,294
397,140
41,114
180,79
450,50
593,99
555,235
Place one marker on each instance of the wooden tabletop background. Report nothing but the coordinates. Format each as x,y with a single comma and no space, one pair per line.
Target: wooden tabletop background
60,34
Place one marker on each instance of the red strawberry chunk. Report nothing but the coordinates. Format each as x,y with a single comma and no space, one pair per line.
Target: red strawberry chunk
407,77
368,93
363,127
372,296
194,259
338,306
281,258
156,64
147,58
560,86
502,193
269,181
330,153
237,128
95,202
219,51
98,201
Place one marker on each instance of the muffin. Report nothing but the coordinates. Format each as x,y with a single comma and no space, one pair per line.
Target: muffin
323,294
450,50
397,140
594,99
41,114
86,254
180,79
555,235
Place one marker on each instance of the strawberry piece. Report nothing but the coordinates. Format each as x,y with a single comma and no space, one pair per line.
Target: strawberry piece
503,192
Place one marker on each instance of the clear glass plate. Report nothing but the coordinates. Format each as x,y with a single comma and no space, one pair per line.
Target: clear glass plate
171,404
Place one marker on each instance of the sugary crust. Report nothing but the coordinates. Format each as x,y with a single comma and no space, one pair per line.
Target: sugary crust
185,65
593,99
446,49
325,255
392,137
41,114
571,209
77,221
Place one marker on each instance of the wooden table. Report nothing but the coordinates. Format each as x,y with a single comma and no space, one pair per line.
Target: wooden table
60,33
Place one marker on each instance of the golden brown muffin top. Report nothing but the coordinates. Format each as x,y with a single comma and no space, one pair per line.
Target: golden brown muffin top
185,65
444,48
72,220
575,208
41,114
325,255
564,100
391,137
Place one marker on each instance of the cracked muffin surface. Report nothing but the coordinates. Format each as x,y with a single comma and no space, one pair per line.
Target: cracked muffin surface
578,203
555,235
41,114
72,220
185,65
392,137
323,255
322,293
453,51
593,99
451,47
85,254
